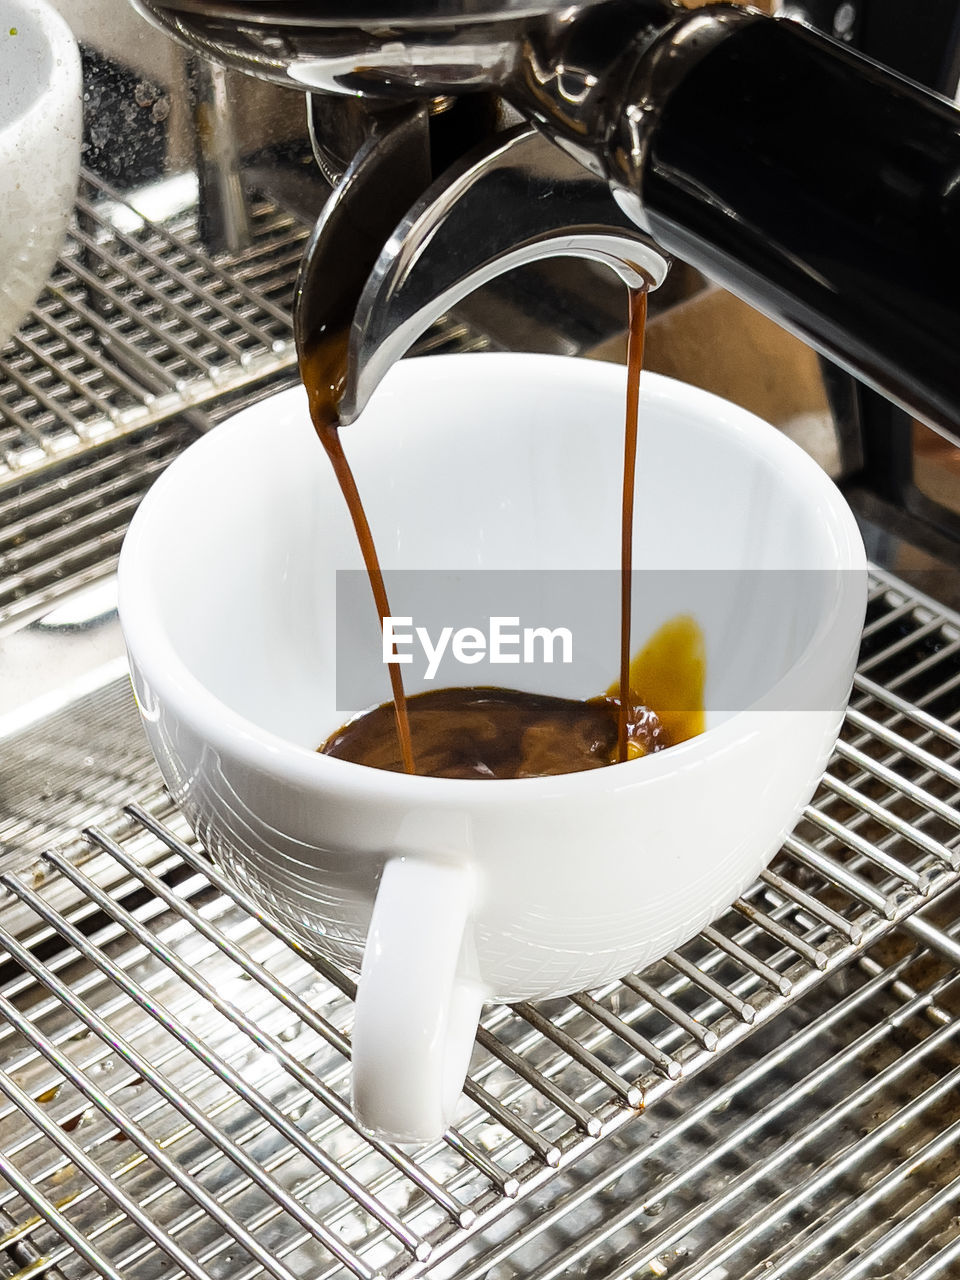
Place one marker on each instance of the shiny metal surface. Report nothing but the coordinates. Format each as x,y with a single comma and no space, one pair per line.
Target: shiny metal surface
830,1144
778,1097
338,127
335,13
139,322
532,50
732,189
646,92
389,172
222,200
351,59
449,244
142,341
138,334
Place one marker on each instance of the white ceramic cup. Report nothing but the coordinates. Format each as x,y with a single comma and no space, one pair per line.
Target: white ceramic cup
41,122
465,890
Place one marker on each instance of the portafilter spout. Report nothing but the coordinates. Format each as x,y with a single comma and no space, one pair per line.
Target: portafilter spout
513,200
814,184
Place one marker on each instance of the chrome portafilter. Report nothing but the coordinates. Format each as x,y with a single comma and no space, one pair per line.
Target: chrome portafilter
512,201
379,48
814,184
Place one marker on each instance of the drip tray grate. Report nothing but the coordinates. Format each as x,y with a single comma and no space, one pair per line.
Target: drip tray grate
173,1095
138,323
141,342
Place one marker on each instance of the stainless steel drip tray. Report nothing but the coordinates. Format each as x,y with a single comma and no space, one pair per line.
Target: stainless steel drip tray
823,1147
779,1097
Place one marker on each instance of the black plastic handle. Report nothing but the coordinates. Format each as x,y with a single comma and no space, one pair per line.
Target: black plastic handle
824,190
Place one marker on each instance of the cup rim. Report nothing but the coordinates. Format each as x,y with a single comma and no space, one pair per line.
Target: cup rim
150,649
62,45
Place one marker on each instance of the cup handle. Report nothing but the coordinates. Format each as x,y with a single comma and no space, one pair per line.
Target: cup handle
416,1016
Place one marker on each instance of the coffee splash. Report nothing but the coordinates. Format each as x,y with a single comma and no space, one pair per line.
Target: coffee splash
656,702
669,674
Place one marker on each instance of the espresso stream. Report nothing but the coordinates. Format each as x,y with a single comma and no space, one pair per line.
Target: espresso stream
323,371
503,733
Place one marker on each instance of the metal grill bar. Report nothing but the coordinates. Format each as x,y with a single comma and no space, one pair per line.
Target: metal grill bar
909,710
881,840
136,811
66,532
140,333
192,252
898,783
744,1084
166,268
662,1062
213,1061
49,1212
903,610
856,887
896,825
136,1060
697,977
868,850
900,645
905,747
781,984
588,1123
127,318
142,315
933,938
942,1265
945,1141
457,1212
812,954
832,1171
579,1053
123,1123
819,910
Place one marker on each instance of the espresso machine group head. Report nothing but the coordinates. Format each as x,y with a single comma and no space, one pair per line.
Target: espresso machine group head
816,184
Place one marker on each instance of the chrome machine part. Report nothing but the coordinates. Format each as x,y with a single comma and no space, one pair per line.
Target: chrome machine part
386,176
448,245
733,190
404,15
222,200
356,49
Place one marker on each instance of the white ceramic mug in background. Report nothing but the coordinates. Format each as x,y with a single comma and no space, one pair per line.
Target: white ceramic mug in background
41,122
468,890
